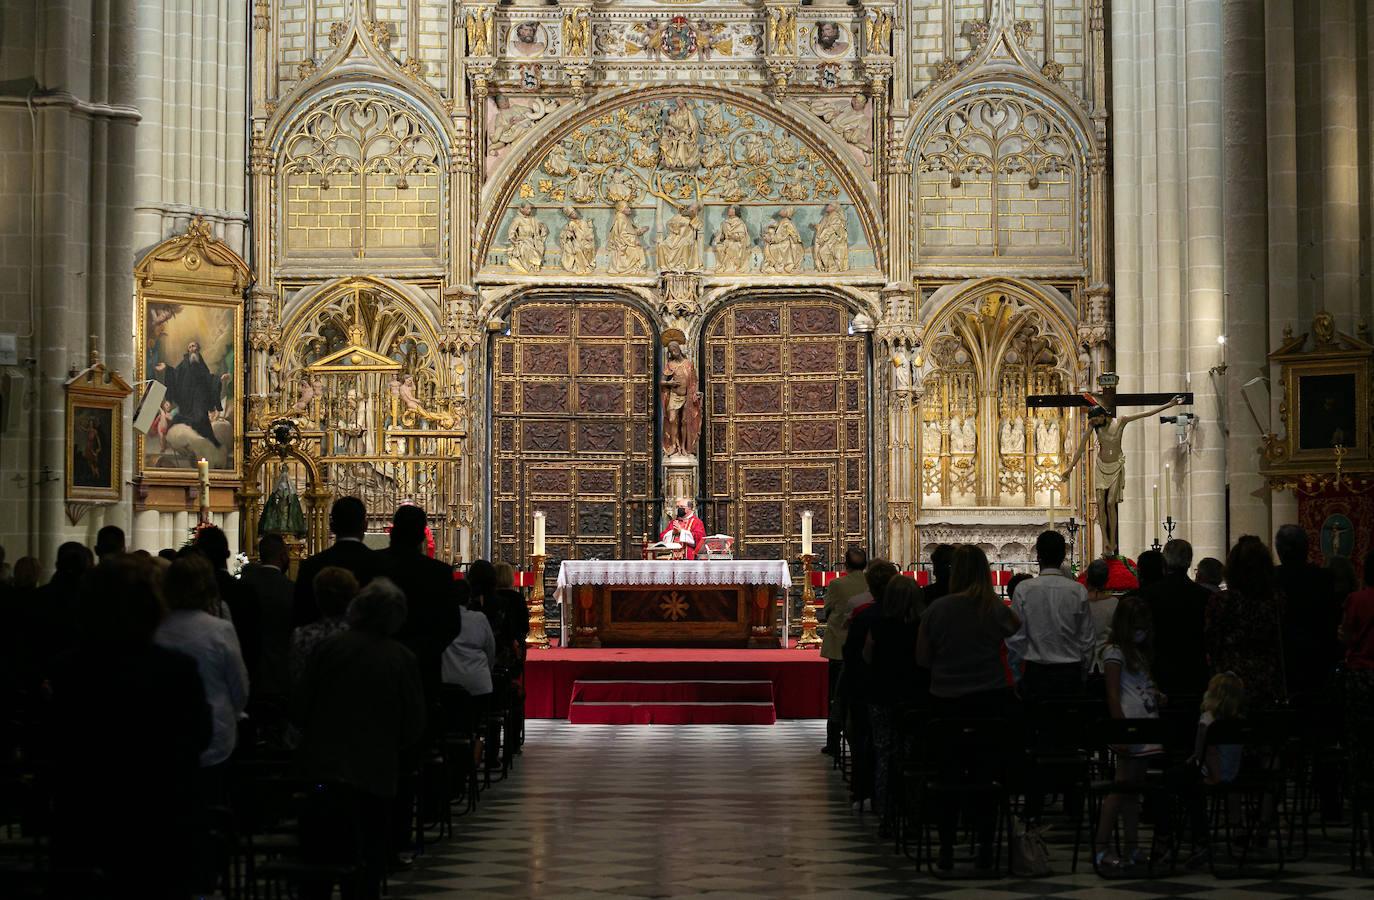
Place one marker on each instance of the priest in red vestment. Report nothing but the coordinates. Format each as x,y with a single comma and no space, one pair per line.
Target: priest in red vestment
685,529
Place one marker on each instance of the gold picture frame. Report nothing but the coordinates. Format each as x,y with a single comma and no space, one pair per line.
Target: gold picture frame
93,460
189,337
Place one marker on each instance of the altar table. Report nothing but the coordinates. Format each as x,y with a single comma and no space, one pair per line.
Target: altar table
663,603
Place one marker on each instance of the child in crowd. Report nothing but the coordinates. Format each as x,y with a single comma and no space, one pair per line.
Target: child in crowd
1218,763
1131,694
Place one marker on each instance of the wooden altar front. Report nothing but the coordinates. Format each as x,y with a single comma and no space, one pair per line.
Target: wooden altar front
672,603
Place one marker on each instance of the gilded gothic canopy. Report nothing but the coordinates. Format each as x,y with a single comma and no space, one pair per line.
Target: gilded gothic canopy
679,183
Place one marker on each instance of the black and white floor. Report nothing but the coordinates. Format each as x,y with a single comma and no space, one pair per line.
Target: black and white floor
741,811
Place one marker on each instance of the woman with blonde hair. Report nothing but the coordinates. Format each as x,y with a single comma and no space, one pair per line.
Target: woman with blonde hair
960,642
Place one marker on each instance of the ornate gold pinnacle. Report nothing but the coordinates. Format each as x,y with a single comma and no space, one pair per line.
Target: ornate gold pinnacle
808,638
537,638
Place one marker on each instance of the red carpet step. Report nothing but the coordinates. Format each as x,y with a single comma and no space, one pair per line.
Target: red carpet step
663,702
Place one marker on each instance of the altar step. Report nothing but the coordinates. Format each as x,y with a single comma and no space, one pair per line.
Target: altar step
648,702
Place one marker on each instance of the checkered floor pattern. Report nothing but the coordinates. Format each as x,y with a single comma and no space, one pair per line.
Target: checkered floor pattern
740,811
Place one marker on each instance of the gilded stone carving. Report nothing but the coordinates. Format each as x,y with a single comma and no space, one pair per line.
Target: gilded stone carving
527,237
679,145
831,249
679,249
510,120
782,245
479,28
782,30
732,244
852,120
627,254
880,24
578,244
576,31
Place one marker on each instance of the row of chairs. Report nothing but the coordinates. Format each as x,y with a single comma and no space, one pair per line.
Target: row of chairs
1262,820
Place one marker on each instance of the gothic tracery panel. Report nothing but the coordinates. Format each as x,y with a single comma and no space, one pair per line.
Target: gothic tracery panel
579,444
779,442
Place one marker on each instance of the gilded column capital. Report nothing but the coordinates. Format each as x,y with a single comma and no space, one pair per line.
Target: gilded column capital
262,15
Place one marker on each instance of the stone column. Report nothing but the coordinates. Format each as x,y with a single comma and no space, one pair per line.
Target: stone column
1246,225
1340,161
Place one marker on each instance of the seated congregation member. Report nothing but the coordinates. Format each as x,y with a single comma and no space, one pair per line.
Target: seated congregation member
1241,627
348,522
335,588
896,681
1131,694
960,642
515,621
1178,607
468,663
685,528
129,725
190,591
1057,637
360,706
835,616
858,687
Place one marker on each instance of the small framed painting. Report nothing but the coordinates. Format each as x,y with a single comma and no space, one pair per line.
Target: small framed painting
94,462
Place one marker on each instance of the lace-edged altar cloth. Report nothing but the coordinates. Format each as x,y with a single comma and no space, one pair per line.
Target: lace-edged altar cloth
678,571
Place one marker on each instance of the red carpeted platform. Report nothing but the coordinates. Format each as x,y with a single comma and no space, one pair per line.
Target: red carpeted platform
798,679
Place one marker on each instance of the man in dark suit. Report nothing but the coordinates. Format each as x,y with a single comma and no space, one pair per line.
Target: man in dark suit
1311,614
433,618
267,577
348,522
1178,606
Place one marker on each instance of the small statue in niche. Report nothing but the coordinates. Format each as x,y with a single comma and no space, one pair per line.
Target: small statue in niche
901,371
282,514
681,402
1047,436
312,389
930,438
963,436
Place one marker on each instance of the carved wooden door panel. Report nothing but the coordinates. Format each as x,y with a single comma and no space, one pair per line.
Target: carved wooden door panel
787,426
572,428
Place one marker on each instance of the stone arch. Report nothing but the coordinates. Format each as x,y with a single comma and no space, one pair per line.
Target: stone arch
793,163
1001,170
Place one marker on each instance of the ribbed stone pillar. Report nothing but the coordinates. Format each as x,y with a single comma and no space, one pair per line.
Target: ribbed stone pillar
1340,160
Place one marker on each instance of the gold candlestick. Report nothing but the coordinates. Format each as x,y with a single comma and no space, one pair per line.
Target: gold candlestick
808,638
537,638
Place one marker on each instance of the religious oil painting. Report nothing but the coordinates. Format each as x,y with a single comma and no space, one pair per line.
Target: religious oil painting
92,450
192,347
1327,406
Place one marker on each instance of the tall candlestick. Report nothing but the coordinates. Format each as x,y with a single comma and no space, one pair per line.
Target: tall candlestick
203,476
1049,511
1155,532
539,534
1168,492
806,533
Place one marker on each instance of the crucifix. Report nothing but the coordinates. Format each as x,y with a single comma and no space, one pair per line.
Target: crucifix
1109,466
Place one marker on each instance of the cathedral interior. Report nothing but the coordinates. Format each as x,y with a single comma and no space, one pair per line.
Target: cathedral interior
435,252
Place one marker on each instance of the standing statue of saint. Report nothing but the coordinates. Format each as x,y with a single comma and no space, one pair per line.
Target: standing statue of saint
282,514
681,403
1109,466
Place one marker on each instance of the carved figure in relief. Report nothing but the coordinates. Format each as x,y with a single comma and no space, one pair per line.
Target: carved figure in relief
393,388
831,249
850,119
528,39
578,243
901,372
679,144
1109,465
831,39
1013,437
963,436
681,400
558,164
731,243
479,32
713,155
603,147
583,187
513,121
311,390
679,250
782,245
621,187
729,188
527,236
782,31
626,251
880,32
1047,436
716,123
797,185
930,438
576,31
755,149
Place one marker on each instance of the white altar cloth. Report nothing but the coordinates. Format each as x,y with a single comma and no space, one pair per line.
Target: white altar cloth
672,571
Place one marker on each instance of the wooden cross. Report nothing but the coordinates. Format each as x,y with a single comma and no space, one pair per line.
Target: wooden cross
1107,398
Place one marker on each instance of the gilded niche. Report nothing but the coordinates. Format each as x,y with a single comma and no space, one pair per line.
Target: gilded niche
680,184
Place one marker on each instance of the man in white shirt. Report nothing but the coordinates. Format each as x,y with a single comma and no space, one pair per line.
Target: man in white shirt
1057,636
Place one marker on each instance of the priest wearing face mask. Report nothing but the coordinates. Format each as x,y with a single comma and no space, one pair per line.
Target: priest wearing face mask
685,529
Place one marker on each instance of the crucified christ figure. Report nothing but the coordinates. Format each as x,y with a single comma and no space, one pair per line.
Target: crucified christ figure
1109,466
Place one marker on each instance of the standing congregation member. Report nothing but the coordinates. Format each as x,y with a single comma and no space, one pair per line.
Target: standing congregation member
835,615
1357,635
1241,628
1057,637
858,683
960,642
896,681
1178,607
275,593
109,541
360,707
348,522
1310,614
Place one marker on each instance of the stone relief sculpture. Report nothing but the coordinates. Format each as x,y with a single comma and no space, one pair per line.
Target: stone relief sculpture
731,243
576,31
527,236
578,243
930,438
583,187
1013,437
512,121
1047,436
680,146
626,252
678,250
963,436
621,188
852,120
479,32
831,249
782,31
557,164
782,245
901,371
880,26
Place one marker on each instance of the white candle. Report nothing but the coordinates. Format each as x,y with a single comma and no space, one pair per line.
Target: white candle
806,533
1155,532
203,469
539,534
1168,493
